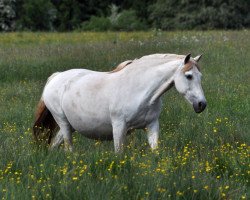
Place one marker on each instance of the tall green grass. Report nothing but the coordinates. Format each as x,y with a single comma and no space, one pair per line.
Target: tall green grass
200,156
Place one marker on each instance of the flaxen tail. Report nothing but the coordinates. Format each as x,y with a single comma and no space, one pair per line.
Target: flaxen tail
45,124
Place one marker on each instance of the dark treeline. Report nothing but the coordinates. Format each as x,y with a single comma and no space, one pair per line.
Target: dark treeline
127,15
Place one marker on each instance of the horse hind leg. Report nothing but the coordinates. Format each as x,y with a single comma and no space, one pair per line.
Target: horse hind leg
63,135
57,140
67,137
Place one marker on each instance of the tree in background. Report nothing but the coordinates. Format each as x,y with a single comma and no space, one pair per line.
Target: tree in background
126,20
68,14
139,6
98,15
7,15
97,24
205,14
37,15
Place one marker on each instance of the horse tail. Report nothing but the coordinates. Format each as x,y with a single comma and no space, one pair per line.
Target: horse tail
45,124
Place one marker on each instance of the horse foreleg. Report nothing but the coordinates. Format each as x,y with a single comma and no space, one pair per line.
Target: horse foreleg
153,134
119,135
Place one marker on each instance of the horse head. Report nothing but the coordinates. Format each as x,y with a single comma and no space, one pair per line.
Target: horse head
187,81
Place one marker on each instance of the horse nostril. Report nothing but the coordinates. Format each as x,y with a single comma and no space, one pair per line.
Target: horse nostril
202,105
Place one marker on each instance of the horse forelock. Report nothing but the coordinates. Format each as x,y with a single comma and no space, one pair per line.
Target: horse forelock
188,66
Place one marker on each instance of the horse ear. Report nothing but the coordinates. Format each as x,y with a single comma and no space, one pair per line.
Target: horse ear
197,58
187,58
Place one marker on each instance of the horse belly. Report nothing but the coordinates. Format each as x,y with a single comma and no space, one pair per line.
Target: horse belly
85,103
89,119
93,128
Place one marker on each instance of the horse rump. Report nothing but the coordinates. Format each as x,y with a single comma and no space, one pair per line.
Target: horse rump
45,124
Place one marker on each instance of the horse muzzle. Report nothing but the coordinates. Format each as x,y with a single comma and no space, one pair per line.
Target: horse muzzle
199,106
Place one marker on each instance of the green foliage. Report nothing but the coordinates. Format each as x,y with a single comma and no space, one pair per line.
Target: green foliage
68,15
124,21
97,24
128,21
37,15
200,156
227,14
7,15
162,14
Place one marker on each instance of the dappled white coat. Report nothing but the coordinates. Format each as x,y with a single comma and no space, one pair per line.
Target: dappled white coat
106,105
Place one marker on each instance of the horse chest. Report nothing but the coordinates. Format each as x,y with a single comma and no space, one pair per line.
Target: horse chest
144,115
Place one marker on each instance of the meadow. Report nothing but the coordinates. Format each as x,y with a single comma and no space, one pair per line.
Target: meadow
200,156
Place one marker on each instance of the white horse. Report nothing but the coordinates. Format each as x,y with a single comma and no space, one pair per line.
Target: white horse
107,105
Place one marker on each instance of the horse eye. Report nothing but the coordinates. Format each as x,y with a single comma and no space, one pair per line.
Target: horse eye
189,77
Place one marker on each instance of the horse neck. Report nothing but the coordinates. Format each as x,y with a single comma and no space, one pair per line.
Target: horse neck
150,82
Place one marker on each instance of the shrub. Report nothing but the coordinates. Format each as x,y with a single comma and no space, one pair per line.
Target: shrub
128,21
7,15
97,24
178,14
123,21
37,15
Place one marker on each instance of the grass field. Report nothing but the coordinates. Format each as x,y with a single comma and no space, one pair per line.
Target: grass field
200,156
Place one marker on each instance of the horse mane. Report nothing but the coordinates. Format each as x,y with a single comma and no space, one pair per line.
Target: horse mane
161,58
167,57
171,57
121,66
